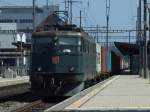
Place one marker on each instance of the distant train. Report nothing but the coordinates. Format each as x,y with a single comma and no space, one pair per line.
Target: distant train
63,62
66,61
108,61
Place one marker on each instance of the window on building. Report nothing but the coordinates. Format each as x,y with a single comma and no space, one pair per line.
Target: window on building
26,20
25,30
6,20
16,20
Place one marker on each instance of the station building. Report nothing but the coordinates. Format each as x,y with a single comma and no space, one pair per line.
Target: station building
16,26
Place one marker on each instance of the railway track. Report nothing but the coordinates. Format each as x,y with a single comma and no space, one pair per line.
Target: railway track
36,106
28,102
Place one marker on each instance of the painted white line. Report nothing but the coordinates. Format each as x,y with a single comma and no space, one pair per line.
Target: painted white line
112,108
87,97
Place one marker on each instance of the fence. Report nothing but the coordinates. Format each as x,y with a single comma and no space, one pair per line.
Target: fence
13,71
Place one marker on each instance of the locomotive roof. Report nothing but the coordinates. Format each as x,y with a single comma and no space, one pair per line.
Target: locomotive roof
62,33
56,33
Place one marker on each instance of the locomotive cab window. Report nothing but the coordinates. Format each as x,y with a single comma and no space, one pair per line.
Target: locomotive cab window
42,40
75,41
41,44
70,44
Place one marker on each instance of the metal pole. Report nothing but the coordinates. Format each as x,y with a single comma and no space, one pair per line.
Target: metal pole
107,35
130,56
33,15
97,36
107,25
129,37
140,37
80,19
149,46
145,40
66,11
107,19
149,23
70,3
70,11
21,59
47,4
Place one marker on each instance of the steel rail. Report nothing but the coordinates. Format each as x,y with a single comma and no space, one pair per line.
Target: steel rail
36,106
29,107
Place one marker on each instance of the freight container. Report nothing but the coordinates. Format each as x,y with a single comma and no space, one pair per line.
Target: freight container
98,58
115,63
103,60
110,62
121,63
109,65
124,63
106,60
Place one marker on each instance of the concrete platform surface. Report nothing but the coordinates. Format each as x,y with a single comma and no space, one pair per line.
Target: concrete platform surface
4,82
126,92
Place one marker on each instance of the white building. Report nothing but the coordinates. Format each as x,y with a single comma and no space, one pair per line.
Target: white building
14,20
20,18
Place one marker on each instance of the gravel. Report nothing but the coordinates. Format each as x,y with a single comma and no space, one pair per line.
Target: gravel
10,105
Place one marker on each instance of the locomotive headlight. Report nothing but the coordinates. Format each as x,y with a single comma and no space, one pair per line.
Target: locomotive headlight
55,44
79,42
39,69
55,38
55,41
71,69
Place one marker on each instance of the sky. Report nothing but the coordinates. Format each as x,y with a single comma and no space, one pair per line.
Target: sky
122,13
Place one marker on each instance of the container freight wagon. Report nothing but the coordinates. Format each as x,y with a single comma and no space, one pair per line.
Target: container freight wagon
115,63
98,62
110,62
98,58
124,63
104,62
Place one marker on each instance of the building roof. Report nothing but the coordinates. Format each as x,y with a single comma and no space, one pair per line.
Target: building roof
15,7
38,9
127,49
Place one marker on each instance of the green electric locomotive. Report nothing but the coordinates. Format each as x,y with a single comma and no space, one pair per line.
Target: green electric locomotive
63,61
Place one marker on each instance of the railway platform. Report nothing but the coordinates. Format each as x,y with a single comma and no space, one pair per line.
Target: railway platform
122,93
14,86
13,81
